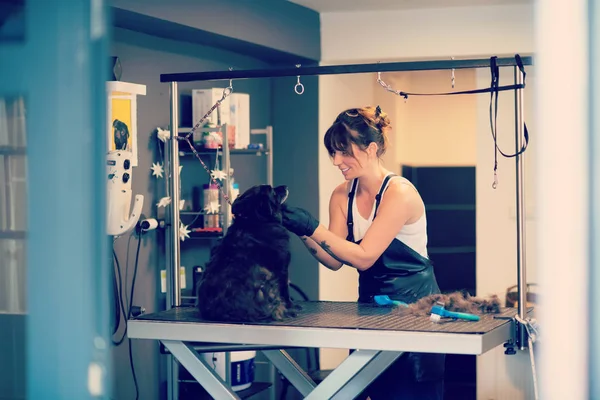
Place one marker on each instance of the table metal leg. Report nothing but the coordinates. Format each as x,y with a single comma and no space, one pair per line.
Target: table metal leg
365,376
353,374
291,370
202,372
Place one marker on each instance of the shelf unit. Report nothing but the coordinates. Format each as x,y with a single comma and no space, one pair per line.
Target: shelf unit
173,156
13,245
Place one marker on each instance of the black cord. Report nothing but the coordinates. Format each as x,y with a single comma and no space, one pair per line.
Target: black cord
127,314
120,304
135,268
135,382
117,304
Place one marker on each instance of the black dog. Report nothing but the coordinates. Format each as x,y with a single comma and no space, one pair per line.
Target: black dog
246,278
120,135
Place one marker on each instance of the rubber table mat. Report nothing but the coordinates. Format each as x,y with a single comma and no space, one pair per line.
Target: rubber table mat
352,315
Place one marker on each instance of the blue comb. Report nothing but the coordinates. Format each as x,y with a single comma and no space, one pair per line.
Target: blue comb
384,300
438,312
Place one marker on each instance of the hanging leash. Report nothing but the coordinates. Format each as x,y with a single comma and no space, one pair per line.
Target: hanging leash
494,90
226,92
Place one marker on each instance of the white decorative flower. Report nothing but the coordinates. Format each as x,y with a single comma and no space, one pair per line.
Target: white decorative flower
218,174
157,169
165,201
163,134
211,208
183,232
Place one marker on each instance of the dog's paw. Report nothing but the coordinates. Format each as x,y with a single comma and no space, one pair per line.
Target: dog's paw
290,313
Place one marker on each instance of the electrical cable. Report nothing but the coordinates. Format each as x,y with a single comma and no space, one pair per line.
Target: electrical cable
119,301
125,308
137,254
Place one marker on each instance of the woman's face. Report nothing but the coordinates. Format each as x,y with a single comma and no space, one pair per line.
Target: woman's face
351,166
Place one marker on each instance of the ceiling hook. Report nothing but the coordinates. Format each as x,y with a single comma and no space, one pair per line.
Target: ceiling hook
299,87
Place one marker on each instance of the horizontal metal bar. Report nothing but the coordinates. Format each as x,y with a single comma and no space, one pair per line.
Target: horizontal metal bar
451,249
341,69
224,347
13,151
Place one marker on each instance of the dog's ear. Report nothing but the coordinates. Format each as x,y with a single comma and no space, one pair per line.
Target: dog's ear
259,203
244,205
281,193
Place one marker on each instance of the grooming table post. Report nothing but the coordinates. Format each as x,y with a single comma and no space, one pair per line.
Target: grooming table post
354,374
205,375
379,363
291,370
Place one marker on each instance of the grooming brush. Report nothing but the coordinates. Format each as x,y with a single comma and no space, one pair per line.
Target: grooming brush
384,300
438,312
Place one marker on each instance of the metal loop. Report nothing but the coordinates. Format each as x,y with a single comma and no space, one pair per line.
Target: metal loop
299,88
227,91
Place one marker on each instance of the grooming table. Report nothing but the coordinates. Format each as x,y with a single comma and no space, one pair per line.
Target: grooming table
381,334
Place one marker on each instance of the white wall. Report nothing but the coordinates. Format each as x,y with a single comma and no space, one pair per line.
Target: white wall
435,130
336,93
437,34
427,33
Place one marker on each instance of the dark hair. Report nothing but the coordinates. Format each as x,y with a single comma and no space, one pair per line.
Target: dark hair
360,126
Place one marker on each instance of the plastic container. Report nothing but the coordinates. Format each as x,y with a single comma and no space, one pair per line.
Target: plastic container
210,194
242,369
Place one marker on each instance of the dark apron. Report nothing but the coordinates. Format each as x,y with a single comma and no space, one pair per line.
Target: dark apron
405,275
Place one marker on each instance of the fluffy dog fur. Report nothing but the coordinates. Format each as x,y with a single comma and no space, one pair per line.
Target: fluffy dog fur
457,301
246,278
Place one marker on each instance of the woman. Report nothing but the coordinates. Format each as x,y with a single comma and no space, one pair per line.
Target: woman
377,224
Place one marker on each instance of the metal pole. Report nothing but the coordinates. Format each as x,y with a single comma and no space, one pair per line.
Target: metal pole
520,207
174,286
340,69
227,187
270,155
172,267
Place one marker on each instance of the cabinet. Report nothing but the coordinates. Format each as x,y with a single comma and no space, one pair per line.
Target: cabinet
248,167
449,197
13,223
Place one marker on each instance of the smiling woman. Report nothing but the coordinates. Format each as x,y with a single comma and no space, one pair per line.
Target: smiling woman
389,252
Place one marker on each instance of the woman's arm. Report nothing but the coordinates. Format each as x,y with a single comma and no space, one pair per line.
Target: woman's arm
394,211
337,226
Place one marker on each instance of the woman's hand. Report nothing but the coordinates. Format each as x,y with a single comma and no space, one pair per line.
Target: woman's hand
299,221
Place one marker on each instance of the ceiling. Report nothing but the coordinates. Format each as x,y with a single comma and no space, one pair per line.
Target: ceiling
380,5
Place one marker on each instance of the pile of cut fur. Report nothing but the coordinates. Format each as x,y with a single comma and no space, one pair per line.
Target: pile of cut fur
456,301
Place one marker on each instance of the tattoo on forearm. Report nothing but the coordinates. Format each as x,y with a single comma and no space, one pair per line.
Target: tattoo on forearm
327,249
312,250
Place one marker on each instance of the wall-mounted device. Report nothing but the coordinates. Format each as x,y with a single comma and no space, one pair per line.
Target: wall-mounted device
119,173
122,156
